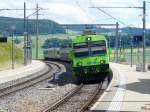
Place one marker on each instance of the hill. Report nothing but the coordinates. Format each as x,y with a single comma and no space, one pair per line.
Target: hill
45,26
124,33
94,27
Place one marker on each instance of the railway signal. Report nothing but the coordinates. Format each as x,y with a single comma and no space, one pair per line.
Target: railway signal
138,38
3,39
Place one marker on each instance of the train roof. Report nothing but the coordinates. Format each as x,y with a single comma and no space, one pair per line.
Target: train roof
84,38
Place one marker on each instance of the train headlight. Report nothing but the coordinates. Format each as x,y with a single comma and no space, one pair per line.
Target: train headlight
102,61
79,63
88,38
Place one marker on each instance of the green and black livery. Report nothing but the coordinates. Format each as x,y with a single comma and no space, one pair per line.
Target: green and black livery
90,55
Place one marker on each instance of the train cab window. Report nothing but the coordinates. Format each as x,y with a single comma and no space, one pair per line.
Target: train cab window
90,48
81,49
80,45
98,47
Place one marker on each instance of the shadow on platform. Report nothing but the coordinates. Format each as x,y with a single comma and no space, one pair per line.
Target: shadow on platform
143,86
106,111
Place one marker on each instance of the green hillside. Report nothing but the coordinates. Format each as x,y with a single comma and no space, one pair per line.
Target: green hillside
45,26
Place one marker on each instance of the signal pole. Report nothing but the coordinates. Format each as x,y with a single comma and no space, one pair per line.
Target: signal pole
131,51
116,43
144,43
67,35
37,31
12,50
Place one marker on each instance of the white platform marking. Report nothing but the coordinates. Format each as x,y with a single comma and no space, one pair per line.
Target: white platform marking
116,103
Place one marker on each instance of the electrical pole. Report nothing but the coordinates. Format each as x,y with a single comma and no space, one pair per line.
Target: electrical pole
37,31
120,52
25,57
131,51
109,45
144,43
29,41
138,52
27,48
116,43
12,51
67,32
67,35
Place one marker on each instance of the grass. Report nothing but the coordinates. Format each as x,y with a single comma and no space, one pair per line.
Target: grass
125,56
6,57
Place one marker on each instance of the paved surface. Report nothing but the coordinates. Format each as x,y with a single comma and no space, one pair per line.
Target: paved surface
129,91
33,68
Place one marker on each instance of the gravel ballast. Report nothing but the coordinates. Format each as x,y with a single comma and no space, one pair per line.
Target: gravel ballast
36,98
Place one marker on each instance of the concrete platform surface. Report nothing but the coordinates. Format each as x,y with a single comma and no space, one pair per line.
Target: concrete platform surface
25,71
129,91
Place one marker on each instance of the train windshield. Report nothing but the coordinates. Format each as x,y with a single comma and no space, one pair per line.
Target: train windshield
90,48
98,48
81,49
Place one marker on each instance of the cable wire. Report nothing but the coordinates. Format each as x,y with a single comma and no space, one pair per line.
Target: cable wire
112,17
83,10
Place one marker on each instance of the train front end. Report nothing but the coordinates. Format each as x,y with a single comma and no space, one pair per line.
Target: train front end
90,55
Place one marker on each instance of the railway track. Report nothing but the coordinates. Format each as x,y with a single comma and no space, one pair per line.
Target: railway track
53,63
78,100
13,88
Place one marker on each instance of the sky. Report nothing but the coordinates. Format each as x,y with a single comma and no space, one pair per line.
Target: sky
79,11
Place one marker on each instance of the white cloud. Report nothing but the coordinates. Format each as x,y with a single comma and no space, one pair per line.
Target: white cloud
78,11
71,12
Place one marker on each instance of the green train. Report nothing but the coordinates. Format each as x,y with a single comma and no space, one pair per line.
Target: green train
90,55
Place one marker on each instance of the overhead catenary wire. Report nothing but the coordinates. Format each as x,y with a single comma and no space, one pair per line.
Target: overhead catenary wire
120,21
112,16
83,10
33,13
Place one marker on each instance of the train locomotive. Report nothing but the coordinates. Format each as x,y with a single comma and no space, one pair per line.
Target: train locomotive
90,56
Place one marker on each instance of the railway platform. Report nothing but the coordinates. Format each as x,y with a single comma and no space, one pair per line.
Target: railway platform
129,91
9,77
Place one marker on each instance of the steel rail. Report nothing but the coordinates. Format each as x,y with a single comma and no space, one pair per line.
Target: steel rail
28,83
64,99
97,91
